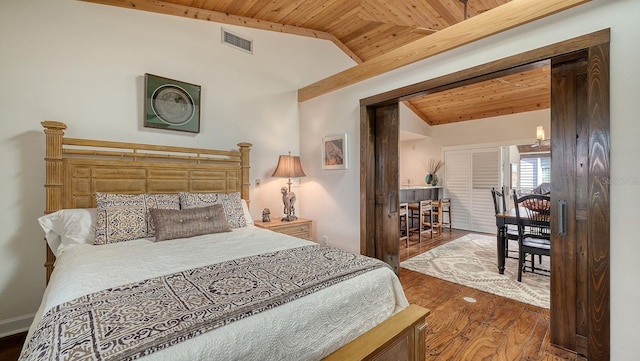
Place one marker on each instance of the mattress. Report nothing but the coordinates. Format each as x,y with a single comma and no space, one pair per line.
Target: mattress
307,328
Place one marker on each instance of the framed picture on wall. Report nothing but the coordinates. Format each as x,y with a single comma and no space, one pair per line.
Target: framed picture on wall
171,104
334,152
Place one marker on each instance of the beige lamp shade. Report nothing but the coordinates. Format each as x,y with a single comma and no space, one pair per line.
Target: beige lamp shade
540,133
288,167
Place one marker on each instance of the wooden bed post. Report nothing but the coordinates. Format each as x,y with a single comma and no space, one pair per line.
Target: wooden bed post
54,131
244,171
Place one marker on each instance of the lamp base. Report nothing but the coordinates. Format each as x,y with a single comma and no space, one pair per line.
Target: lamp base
289,199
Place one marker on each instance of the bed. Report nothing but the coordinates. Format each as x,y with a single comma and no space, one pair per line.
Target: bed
203,295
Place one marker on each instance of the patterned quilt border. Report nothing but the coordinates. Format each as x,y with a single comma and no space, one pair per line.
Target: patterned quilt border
134,320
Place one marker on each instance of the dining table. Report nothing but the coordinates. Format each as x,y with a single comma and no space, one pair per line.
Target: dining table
504,219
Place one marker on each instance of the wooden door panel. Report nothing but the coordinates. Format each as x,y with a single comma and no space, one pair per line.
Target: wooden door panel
563,183
387,233
581,210
599,246
580,168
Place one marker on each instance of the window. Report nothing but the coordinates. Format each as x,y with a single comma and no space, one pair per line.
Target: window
534,169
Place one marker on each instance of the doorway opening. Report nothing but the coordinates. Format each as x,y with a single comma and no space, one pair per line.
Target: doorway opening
580,122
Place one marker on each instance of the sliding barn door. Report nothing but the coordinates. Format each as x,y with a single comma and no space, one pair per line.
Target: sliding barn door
379,144
580,195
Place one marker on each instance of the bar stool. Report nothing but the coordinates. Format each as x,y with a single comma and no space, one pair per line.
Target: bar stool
414,218
404,222
430,217
446,208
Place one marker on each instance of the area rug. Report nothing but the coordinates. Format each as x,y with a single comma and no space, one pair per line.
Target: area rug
471,261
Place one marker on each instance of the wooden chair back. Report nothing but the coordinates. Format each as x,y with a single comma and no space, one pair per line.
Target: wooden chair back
499,200
446,208
430,217
532,212
404,222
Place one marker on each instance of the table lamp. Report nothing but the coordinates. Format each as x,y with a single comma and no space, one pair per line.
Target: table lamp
288,167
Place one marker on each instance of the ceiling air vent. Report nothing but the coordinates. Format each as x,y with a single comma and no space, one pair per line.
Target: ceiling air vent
237,41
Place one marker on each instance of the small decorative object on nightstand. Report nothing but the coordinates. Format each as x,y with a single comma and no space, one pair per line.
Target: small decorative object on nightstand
300,227
266,215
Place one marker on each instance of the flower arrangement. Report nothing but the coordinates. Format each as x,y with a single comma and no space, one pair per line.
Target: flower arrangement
434,165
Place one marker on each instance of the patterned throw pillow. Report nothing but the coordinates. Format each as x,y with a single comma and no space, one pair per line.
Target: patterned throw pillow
123,217
159,201
171,224
232,205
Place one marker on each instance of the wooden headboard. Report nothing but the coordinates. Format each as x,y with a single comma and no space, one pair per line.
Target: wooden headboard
78,168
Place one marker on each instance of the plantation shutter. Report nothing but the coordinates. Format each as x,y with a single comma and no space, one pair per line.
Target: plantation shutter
458,184
469,176
485,175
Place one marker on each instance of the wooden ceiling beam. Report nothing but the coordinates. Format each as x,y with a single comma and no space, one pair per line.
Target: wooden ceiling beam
162,7
499,19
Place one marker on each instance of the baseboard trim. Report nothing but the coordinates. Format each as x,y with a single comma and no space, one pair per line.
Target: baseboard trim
12,326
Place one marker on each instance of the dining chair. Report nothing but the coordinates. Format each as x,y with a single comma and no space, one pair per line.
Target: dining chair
500,205
534,230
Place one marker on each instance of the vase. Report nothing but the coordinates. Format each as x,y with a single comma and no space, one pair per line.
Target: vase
428,179
434,180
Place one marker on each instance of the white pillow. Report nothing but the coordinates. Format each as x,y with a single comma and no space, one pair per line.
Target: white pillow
69,226
247,215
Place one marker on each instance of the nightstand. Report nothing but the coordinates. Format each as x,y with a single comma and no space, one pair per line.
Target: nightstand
300,228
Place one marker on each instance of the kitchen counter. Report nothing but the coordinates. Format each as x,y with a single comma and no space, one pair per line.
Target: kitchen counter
408,187
412,194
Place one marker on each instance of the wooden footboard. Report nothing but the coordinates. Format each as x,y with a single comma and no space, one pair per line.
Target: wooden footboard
399,338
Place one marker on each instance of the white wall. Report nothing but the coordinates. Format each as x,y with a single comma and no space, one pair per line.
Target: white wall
414,156
83,64
338,112
411,123
415,147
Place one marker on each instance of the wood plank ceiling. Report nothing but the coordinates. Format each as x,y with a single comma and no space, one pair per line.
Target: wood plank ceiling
525,90
365,29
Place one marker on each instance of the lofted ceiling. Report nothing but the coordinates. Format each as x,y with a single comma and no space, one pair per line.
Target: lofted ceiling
366,29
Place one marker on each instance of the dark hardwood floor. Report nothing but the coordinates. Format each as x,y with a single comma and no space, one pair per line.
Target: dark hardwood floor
492,328
10,346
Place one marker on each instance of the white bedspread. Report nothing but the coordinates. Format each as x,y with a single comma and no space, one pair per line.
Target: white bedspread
306,329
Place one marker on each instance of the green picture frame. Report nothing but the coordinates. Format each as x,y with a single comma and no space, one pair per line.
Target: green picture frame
171,104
